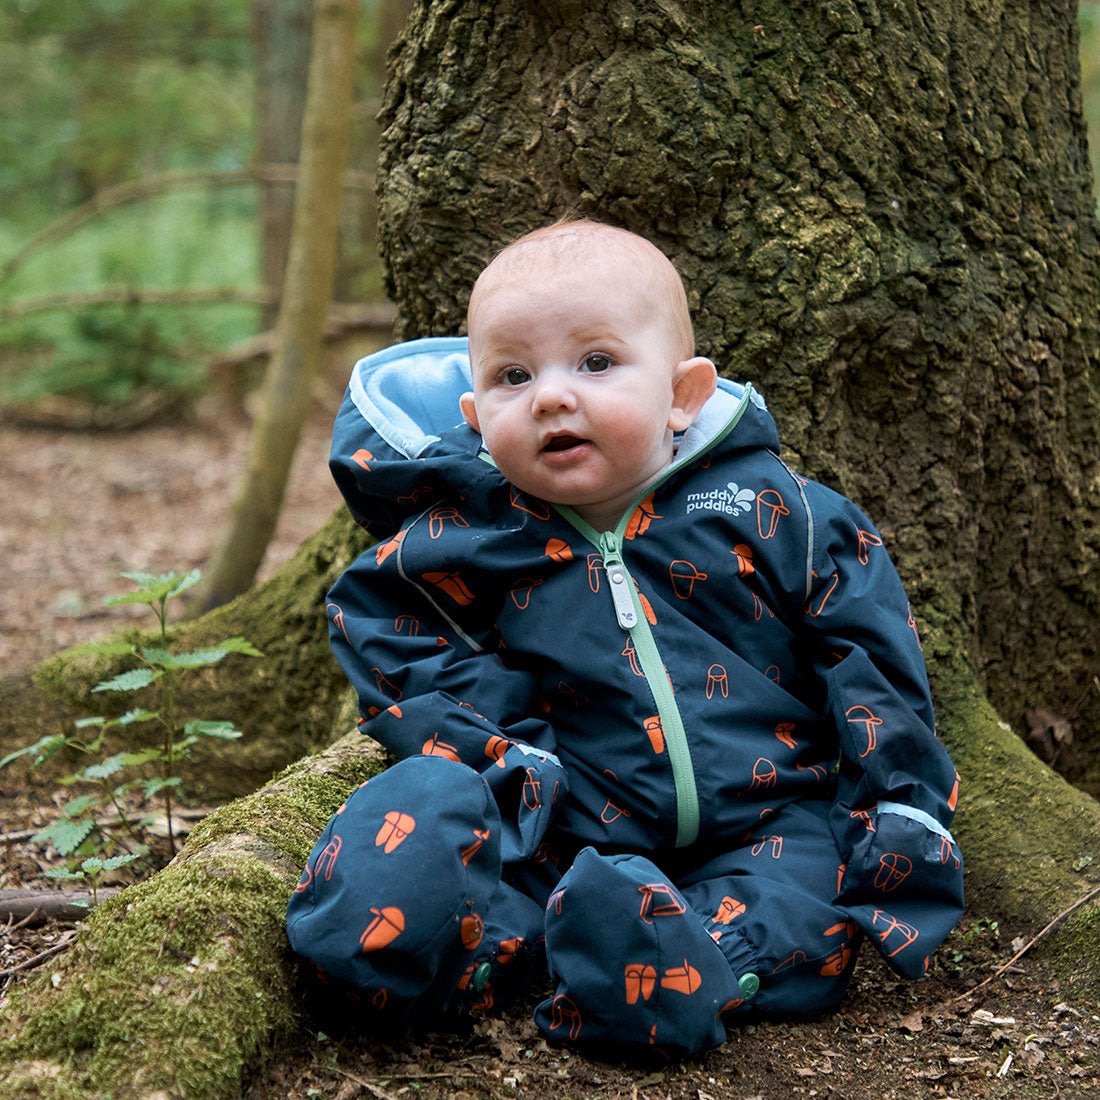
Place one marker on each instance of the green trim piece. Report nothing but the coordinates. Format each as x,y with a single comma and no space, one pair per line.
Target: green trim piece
653,669
679,753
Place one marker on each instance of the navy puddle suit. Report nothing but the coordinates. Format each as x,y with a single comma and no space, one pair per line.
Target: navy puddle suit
687,764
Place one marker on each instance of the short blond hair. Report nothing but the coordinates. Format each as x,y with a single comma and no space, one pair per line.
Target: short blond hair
578,239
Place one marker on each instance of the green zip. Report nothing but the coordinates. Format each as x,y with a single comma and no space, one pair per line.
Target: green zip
653,667
631,618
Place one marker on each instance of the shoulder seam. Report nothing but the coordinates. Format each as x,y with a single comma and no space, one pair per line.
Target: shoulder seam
425,593
809,526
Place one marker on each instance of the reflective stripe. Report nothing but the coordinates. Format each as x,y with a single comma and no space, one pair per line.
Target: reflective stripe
927,820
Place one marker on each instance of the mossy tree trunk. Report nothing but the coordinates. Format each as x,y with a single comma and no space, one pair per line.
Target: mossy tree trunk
177,986
883,217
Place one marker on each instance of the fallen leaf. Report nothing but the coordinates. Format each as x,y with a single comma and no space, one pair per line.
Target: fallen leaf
1031,1055
987,1019
913,1022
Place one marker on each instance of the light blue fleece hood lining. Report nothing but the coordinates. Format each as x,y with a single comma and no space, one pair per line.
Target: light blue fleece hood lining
409,395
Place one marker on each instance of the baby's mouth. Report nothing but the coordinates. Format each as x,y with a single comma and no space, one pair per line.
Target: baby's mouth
563,442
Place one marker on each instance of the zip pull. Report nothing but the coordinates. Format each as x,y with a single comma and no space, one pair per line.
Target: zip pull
620,582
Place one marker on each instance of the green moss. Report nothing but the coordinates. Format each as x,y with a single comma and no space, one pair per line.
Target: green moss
168,987
1073,951
1019,825
181,983
285,814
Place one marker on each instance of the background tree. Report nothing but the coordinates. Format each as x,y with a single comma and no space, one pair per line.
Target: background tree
307,293
883,216
281,36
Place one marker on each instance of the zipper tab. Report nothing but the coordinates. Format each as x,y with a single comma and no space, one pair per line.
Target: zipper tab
620,596
620,582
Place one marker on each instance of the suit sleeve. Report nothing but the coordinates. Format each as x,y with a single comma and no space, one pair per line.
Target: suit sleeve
428,686
897,789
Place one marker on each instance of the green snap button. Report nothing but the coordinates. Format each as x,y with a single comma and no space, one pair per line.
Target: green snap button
481,977
750,986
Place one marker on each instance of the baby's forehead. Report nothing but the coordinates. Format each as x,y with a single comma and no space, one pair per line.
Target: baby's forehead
569,248
573,260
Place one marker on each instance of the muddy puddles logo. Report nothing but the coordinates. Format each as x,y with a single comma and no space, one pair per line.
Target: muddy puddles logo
732,500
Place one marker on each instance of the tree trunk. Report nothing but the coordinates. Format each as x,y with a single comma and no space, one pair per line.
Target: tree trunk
177,987
307,292
281,36
883,217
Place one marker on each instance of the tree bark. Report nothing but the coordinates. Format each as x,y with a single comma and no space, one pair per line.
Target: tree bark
884,219
307,291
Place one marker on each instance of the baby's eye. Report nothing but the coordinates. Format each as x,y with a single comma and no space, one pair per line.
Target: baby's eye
596,364
515,376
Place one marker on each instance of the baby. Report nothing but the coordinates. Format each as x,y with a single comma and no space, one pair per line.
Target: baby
659,707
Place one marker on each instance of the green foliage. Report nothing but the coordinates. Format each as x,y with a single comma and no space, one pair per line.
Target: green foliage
77,832
112,91
111,353
91,868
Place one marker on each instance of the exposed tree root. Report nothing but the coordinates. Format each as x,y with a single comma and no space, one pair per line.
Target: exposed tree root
181,984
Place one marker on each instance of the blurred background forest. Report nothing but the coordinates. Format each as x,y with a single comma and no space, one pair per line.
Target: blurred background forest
144,151
147,162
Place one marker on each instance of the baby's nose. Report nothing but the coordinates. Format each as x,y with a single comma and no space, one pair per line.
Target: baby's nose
552,393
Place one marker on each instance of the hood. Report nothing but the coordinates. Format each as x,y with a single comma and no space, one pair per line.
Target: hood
399,441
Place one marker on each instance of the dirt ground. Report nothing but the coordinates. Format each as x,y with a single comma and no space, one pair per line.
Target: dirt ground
79,508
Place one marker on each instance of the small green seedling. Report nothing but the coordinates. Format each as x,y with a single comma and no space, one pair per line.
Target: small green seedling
78,830
90,869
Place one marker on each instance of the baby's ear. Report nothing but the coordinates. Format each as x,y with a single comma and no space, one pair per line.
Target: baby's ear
469,412
693,381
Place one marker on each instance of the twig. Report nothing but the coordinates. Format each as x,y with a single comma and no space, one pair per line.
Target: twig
19,902
377,1090
9,927
139,190
342,319
39,959
374,1090
135,296
1029,945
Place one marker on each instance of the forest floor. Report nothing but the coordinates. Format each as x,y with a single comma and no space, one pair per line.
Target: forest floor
78,508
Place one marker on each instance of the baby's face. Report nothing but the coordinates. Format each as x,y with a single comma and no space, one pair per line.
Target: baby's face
576,370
